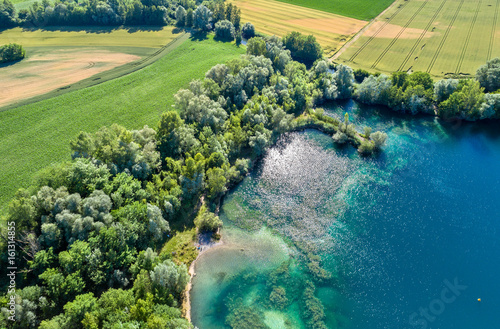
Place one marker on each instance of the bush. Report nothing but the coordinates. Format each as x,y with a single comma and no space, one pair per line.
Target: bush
206,221
378,139
366,147
224,30
248,31
11,52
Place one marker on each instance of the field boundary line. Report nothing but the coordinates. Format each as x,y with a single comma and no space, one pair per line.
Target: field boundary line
408,57
467,39
447,32
362,31
115,73
493,32
393,41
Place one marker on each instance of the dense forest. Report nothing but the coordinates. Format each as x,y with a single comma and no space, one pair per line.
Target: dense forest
468,99
186,13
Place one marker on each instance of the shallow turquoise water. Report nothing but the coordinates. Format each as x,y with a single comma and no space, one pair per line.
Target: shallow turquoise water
395,232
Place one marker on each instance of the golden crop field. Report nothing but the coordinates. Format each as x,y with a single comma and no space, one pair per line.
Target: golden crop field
58,58
277,18
442,37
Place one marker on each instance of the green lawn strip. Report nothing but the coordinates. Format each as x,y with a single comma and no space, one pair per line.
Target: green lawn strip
359,9
36,135
181,247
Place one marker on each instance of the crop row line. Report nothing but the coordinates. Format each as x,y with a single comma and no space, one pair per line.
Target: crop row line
421,36
393,41
493,31
443,40
377,32
467,39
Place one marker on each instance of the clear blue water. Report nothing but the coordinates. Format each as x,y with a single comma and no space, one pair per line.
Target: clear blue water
396,231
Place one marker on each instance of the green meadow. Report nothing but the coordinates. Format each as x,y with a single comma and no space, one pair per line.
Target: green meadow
38,134
360,9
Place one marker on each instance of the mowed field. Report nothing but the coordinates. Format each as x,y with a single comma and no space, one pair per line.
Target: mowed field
58,58
442,37
36,135
277,18
359,9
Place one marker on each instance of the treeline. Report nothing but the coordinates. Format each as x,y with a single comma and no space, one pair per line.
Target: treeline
89,232
187,13
468,99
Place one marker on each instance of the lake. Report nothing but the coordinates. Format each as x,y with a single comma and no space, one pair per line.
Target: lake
319,237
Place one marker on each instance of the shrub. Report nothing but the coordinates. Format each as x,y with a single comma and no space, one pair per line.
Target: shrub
378,139
206,221
11,52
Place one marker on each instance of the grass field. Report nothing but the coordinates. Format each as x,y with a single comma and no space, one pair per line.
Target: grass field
359,9
36,135
277,18
442,37
60,58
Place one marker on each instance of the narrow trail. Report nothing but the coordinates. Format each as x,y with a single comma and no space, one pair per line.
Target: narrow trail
361,32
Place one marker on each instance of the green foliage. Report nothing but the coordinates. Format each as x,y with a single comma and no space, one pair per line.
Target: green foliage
207,221
11,52
303,48
464,103
224,30
248,30
168,279
256,46
488,75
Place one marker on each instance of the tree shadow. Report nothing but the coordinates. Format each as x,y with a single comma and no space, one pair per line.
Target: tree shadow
198,36
95,29
2,65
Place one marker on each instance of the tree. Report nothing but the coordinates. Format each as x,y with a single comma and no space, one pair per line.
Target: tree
7,14
189,17
169,279
248,31
180,16
207,221
216,182
256,47
378,139
344,80
11,52
488,75
202,18
303,48
224,30
444,88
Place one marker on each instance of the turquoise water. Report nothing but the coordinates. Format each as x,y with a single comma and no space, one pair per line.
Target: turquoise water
408,239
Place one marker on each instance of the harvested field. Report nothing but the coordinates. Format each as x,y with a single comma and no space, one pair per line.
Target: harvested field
41,73
442,37
59,58
276,18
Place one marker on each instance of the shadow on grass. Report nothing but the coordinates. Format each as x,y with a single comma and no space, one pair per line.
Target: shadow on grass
198,35
94,29
2,65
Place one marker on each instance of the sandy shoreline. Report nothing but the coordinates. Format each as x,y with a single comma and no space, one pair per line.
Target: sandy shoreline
186,305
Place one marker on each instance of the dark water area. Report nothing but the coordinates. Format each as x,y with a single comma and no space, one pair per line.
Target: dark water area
410,237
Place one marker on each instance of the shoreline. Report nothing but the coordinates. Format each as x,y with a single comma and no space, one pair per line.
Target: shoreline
186,304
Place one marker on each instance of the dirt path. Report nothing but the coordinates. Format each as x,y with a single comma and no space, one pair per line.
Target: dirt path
360,33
